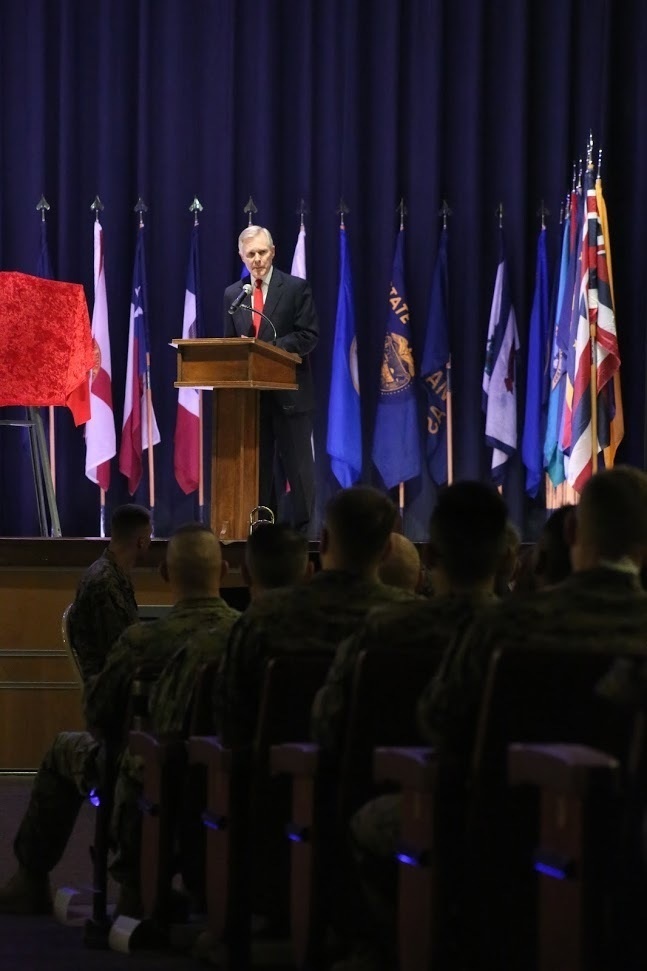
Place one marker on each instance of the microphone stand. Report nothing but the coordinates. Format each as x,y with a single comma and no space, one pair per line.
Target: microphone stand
260,313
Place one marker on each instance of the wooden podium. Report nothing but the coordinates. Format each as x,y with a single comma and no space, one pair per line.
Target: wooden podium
236,369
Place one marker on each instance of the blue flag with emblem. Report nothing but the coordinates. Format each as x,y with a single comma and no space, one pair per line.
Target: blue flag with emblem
532,443
433,368
344,442
396,439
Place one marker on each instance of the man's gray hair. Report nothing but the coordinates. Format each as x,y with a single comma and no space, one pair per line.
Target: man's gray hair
251,231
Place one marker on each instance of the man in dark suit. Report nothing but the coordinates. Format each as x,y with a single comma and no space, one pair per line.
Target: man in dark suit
286,416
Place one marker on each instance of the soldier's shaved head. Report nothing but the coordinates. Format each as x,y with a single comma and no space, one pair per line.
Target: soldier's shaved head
194,563
357,530
611,518
401,566
467,532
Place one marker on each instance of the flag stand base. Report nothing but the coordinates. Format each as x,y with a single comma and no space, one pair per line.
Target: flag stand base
45,496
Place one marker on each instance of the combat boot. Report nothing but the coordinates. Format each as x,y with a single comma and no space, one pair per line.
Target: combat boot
26,892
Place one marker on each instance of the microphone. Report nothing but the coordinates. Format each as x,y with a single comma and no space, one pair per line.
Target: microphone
264,316
245,292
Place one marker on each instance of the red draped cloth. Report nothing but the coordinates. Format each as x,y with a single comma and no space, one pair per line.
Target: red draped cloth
45,344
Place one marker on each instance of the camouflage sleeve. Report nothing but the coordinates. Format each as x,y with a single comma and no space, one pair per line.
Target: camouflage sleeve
625,683
106,695
239,682
330,707
116,610
448,707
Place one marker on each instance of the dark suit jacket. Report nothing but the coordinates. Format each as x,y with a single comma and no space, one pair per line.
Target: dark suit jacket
290,307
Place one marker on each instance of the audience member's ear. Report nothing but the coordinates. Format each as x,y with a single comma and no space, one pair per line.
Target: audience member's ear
309,570
224,569
244,572
164,571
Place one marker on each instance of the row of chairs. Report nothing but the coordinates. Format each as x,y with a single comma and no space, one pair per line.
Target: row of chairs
513,863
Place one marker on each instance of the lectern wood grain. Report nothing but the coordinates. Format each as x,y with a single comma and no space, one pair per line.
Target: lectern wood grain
237,370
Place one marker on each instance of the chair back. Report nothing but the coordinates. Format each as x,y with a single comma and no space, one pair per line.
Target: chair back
543,695
532,695
69,646
382,711
290,684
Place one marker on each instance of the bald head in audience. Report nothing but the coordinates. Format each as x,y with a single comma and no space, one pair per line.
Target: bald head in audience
401,567
194,566
356,534
610,523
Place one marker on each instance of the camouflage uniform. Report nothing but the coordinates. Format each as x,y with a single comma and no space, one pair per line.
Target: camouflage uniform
421,623
169,708
603,607
103,607
72,767
314,616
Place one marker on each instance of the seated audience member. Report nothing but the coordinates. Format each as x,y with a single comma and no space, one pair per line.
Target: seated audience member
71,767
467,536
553,561
600,605
549,561
275,556
195,569
401,567
309,616
105,604
509,561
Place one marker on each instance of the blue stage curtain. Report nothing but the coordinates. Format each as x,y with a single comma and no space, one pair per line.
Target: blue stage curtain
474,101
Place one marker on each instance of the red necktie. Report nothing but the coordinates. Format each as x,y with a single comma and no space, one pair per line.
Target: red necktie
258,305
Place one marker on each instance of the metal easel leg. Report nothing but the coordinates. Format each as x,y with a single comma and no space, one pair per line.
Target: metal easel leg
45,477
38,482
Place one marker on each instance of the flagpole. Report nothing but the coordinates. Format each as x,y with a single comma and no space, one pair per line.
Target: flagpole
445,211
43,206
196,208
450,425
593,336
96,207
402,210
141,208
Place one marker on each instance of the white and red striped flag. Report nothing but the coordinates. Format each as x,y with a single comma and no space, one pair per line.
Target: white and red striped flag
134,431
186,460
100,438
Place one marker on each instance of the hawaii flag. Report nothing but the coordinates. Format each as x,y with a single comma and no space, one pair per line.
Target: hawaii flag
100,439
134,432
186,460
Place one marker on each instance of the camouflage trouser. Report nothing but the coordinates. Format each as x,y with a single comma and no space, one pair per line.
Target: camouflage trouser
126,824
69,771
374,833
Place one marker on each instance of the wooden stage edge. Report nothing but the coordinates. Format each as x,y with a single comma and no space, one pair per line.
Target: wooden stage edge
39,693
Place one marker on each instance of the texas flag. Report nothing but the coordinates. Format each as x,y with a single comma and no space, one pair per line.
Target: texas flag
134,432
100,439
186,461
